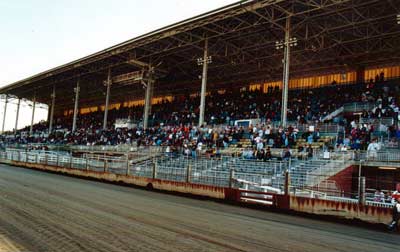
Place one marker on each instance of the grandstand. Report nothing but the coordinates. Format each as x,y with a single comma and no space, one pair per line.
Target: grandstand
328,129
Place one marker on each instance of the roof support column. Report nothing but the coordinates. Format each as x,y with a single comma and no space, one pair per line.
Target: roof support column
4,115
16,117
53,103
107,99
76,90
33,115
148,98
286,65
205,61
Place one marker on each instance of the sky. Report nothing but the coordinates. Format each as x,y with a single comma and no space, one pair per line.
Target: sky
37,35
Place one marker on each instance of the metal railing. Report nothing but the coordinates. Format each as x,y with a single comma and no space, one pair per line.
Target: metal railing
307,178
358,106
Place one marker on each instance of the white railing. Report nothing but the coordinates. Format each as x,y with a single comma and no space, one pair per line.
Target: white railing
223,172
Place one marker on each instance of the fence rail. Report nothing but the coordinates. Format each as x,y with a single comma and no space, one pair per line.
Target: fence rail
308,178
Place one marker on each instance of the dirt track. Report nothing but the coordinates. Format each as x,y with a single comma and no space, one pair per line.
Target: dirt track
47,212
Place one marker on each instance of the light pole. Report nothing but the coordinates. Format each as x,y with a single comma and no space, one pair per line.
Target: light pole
53,104
76,91
203,62
149,86
360,186
108,84
286,45
4,114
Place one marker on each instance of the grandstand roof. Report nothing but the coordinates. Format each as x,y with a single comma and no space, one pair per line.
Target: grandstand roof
333,35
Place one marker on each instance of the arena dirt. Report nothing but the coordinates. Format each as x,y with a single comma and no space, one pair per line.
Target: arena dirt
47,212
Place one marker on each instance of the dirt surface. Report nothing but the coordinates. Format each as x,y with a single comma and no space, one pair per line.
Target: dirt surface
48,212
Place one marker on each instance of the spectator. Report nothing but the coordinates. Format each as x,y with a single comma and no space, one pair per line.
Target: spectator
379,196
287,154
393,226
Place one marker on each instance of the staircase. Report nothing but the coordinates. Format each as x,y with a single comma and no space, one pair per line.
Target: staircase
333,114
311,173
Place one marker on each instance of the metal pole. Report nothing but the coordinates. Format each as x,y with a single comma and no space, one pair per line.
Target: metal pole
286,63
16,117
33,115
287,183
148,98
53,103
127,165
362,191
4,115
231,178
107,99
188,173
76,90
359,180
204,84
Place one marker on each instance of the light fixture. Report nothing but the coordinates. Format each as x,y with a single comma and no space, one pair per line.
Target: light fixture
200,61
398,19
281,44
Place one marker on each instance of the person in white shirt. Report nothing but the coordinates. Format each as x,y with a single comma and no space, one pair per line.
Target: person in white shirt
259,143
372,150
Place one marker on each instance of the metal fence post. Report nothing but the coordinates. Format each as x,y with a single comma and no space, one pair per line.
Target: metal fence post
36,158
287,183
361,196
154,170
188,173
105,165
231,177
70,161
127,165
87,162
58,160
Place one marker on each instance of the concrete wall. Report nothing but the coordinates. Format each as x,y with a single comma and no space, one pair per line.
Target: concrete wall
345,210
172,186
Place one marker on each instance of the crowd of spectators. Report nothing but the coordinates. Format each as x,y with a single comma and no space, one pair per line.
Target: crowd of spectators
173,122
